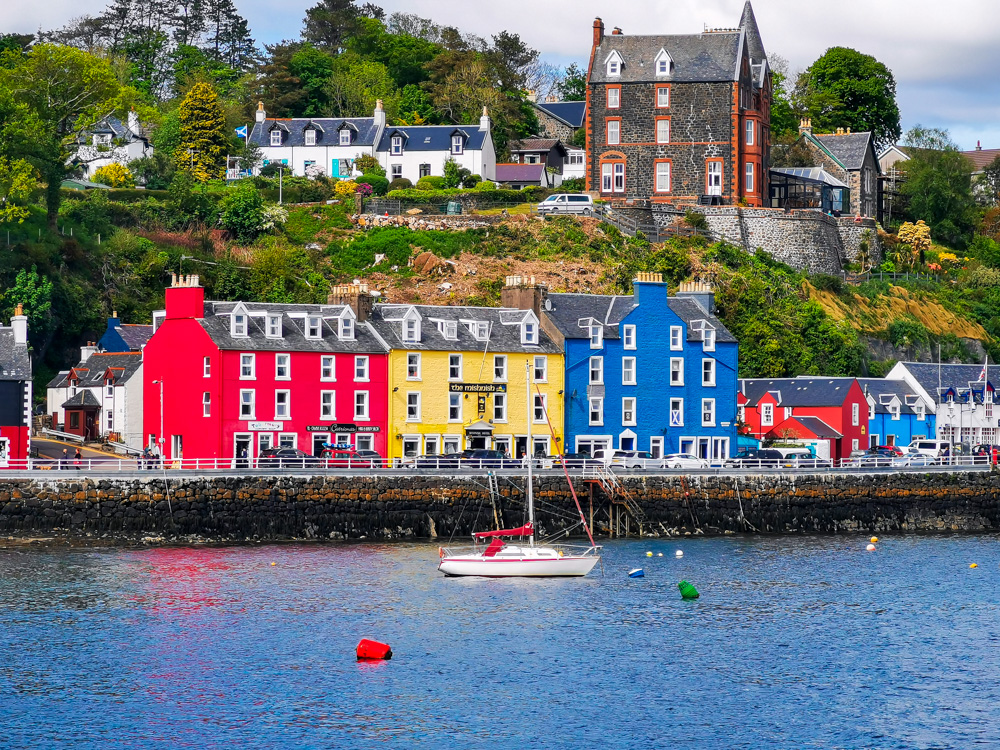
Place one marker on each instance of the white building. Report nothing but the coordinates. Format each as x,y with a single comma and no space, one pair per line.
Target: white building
961,396
110,141
101,397
422,150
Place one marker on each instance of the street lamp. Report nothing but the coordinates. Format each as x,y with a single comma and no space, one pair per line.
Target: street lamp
160,383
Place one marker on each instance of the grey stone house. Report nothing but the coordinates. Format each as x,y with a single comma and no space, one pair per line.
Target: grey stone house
560,119
679,118
851,158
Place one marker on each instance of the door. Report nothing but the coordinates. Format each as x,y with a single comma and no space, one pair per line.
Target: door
656,447
241,451
477,443
703,444
319,438
176,447
520,446
335,169
713,184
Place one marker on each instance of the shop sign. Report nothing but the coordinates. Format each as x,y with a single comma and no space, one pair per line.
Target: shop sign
477,387
343,428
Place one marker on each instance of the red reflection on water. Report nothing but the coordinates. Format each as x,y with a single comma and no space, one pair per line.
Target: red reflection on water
184,579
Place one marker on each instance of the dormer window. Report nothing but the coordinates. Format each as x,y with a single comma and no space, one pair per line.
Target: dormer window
345,137
396,144
529,332
238,325
596,337
314,327
273,326
276,137
662,63
102,140
480,329
449,329
346,332
310,137
614,68
456,144
411,330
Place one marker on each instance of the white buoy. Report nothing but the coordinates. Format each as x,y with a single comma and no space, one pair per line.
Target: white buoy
870,548
660,554
679,553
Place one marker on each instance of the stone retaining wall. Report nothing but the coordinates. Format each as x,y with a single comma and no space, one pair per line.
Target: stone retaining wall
438,506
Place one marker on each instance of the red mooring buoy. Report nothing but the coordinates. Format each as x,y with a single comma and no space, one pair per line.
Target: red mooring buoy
373,650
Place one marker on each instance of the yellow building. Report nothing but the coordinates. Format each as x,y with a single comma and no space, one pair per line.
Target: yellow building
457,380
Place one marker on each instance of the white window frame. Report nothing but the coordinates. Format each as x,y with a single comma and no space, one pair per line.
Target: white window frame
248,409
529,332
248,361
456,144
287,403
310,136
767,415
345,137
539,400
396,145
708,402
629,375
411,330
346,329
614,67
413,406
614,102
314,326
238,326
629,405
287,359
206,368
708,340
662,177
500,364
276,137
855,414
361,406
499,407
596,336
595,406
273,327
750,130
328,363
749,183
708,372
663,124
396,171
677,367
206,404
362,369
628,337
455,408
613,132
414,362
599,370
676,408
454,368
540,369
676,338
328,405
662,97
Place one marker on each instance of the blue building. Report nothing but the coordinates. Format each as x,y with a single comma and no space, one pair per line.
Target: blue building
897,414
643,372
124,338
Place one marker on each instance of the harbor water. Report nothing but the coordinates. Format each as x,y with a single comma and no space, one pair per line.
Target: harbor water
807,642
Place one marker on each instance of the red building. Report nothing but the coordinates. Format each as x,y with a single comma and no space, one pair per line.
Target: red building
831,411
230,379
15,390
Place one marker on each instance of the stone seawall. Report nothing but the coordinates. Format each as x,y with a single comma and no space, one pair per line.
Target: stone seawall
438,506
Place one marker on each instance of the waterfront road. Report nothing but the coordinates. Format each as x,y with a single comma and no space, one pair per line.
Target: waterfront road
50,451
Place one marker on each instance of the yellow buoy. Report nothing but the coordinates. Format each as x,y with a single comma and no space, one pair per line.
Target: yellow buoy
874,539
274,563
649,554
973,565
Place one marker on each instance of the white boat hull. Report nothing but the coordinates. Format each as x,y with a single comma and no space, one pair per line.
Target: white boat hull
526,563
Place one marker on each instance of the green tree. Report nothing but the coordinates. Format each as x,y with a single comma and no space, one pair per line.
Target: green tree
17,184
784,120
415,107
847,89
403,55
313,68
34,292
573,85
989,181
243,212
329,23
204,136
356,85
938,186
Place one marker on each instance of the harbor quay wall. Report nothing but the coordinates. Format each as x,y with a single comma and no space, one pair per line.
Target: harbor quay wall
422,506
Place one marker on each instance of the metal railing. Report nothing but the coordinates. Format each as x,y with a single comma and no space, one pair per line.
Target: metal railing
860,278
64,435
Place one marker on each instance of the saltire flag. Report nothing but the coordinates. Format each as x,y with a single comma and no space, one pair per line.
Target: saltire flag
242,131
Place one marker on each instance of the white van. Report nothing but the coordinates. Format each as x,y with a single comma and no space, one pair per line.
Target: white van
567,203
932,448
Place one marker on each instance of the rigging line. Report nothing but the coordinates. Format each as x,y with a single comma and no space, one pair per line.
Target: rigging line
572,489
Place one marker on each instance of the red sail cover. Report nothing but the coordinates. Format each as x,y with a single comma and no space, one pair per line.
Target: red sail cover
525,530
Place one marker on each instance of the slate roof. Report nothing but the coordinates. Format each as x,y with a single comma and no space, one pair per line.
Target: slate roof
952,376
881,390
520,172
91,371
815,425
82,398
134,335
849,149
536,144
387,320
217,319
567,310
755,45
572,113
15,364
981,157
109,126
433,137
798,391
697,57
689,310
328,134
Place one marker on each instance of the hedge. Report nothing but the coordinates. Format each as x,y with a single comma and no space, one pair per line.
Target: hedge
380,185
414,195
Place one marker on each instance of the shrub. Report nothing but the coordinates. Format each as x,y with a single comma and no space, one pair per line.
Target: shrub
379,184
905,333
345,189
573,185
400,183
471,181
115,175
486,185
983,278
695,219
243,213
828,283
364,190
271,170
368,165
431,182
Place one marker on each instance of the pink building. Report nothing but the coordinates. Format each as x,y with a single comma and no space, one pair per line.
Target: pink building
230,379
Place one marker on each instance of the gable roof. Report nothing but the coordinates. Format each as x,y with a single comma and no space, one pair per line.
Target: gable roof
15,364
566,311
81,399
981,157
573,114
135,335
814,426
801,392
366,129
813,174
708,57
536,144
951,376
882,390
91,371
520,172
849,149
433,137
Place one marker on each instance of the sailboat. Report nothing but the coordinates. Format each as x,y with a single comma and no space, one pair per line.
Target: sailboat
501,559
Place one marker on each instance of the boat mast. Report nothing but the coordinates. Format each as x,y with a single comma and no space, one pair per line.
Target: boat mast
527,452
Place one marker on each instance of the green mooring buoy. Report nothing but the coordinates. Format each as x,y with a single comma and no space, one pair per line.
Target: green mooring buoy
687,590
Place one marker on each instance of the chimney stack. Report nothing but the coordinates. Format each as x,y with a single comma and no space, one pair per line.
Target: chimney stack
524,294
484,121
19,323
598,31
185,297
979,145
133,121
805,126
86,352
379,115
260,115
355,296
701,292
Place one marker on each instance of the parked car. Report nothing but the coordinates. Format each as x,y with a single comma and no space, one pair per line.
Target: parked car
804,459
754,458
441,461
914,458
933,448
353,459
883,456
855,459
634,460
485,458
986,453
894,449
286,458
684,461
567,203
572,460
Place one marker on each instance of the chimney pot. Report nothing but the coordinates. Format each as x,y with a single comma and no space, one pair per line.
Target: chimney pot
616,31
598,31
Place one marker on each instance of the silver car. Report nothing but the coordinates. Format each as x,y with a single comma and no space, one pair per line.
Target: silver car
567,203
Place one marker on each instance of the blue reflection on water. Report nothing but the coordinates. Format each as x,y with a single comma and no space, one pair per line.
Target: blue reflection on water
795,643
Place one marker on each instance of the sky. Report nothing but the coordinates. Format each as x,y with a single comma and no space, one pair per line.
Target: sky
943,55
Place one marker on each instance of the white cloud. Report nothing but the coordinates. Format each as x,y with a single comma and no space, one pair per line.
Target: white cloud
941,54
